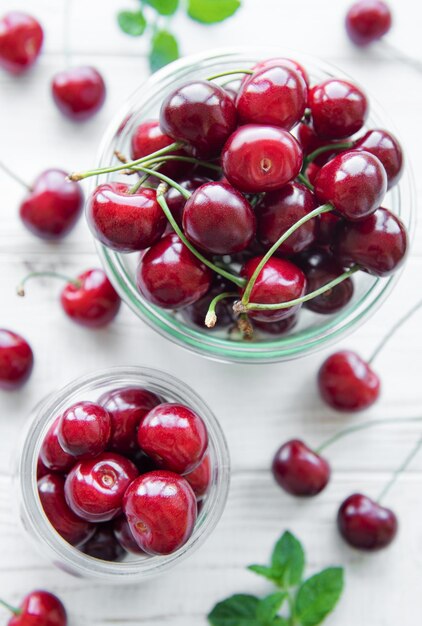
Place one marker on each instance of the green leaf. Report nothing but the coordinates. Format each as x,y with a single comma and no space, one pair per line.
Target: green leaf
318,596
212,11
164,7
132,22
262,570
269,607
288,560
279,621
238,610
164,50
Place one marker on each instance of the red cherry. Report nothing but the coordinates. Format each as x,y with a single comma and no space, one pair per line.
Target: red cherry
310,141
365,524
148,138
16,360
84,430
327,226
299,470
79,92
92,302
347,383
125,537
52,454
283,62
176,202
104,545
200,478
42,470
196,312
161,510
388,150
367,21
338,108
40,608
277,328
21,38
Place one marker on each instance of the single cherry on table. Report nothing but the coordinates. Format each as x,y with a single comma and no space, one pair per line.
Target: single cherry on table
365,524
299,470
38,608
16,360
367,21
21,39
78,92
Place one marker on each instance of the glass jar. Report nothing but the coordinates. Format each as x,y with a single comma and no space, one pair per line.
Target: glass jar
31,513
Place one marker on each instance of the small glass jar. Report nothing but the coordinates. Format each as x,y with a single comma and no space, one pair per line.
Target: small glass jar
31,513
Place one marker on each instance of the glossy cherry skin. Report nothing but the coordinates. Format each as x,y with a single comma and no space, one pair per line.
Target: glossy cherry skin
176,202
200,478
277,328
280,210
354,182
104,545
338,108
378,243
53,206
123,221
95,488
52,454
40,608
170,276
79,92
218,219
299,470
93,302
16,360
283,62
72,528
259,158
367,21
366,525
148,138
196,312
387,149
174,436
279,281
126,407
21,38
347,383
273,95
84,430
161,510
124,536
200,113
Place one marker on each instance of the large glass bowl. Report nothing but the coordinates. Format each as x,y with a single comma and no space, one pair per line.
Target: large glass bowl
313,331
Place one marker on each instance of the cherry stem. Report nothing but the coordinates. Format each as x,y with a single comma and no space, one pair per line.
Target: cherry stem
402,467
185,159
165,179
211,316
15,177
304,180
144,178
416,64
346,145
325,208
229,73
21,287
10,608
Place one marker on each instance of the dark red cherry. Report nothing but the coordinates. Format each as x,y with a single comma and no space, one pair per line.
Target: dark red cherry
176,202
311,172
161,510
148,138
16,360
40,608
84,430
283,62
347,383
95,488
366,525
280,210
367,21
378,243
327,226
279,281
174,436
126,407
353,182
200,478
170,276
388,150
200,113
299,470
259,158
338,108
104,545
79,92
92,301
42,470
277,328
124,536
21,38
218,219
310,141
52,454
196,312
123,221
72,528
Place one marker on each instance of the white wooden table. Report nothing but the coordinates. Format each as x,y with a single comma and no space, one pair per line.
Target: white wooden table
258,406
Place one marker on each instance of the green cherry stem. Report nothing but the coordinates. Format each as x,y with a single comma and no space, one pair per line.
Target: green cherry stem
143,179
21,287
14,176
345,145
229,73
10,608
304,180
211,316
402,467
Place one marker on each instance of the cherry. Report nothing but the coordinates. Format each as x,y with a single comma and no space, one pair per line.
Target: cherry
200,478
53,205
347,383
84,430
218,219
388,150
104,545
274,95
311,172
283,62
21,38
126,407
338,108
124,536
354,183
148,138
378,243
42,470
79,92
52,454
161,510
259,158
280,210
299,470
170,276
200,113
123,221
92,301
279,281
16,360
176,202
365,524
327,226
367,21
72,528
310,141
39,608
196,312
174,436
95,488
278,328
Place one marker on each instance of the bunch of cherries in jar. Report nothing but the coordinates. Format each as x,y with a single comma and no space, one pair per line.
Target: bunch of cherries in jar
254,198
125,474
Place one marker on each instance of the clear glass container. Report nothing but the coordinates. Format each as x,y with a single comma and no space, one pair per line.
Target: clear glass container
313,331
32,516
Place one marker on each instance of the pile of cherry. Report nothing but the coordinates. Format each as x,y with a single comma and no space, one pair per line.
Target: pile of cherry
125,474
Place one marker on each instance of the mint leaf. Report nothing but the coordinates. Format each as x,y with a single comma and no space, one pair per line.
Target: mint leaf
164,7
132,22
268,607
238,610
263,570
164,50
212,11
288,560
318,596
